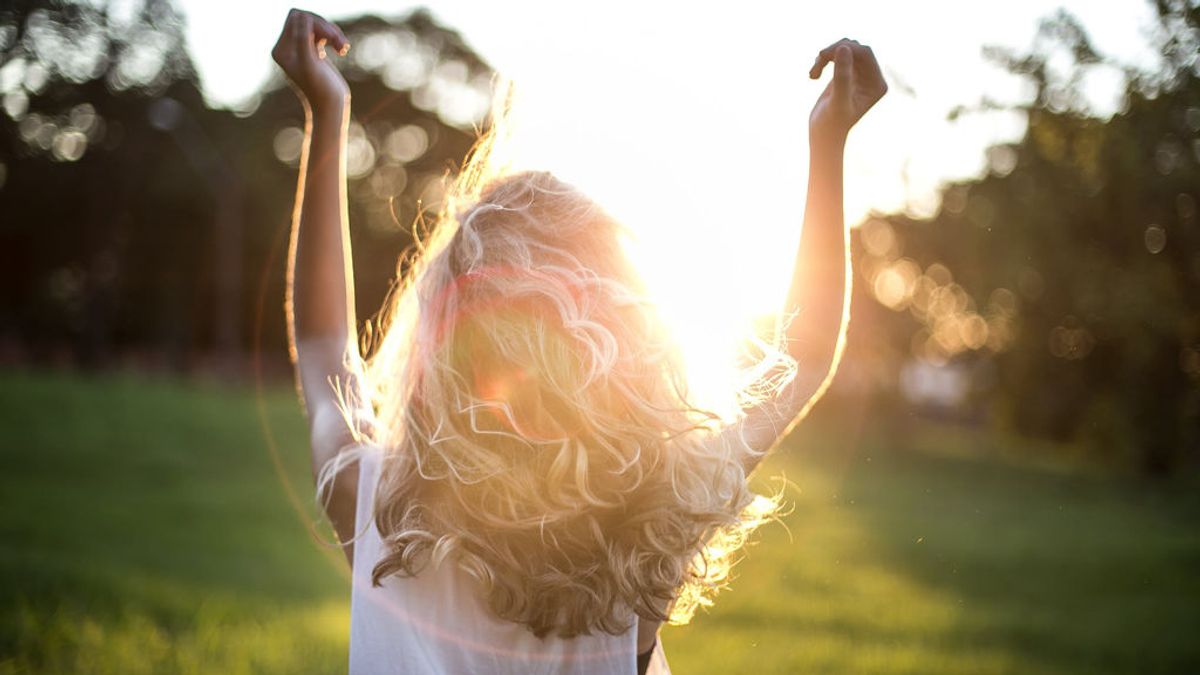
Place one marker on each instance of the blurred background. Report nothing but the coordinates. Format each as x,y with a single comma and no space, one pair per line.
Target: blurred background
1003,479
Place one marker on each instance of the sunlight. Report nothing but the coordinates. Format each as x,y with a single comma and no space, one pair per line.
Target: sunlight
713,102
681,237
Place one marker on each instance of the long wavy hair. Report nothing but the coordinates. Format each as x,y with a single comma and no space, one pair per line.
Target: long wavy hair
535,419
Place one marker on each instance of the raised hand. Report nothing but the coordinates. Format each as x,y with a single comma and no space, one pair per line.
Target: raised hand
857,85
301,53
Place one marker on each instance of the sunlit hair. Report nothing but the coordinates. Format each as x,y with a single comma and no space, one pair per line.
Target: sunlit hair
535,421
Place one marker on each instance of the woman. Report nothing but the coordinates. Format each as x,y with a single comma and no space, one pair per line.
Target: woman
515,473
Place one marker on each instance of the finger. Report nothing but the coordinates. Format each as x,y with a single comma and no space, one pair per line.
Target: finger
815,71
325,30
866,62
825,56
292,24
843,73
864,57
308,46
287,36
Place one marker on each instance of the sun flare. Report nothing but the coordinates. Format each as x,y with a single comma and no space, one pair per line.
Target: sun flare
702,260
715,267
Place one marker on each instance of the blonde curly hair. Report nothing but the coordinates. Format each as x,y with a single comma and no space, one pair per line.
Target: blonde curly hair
535,420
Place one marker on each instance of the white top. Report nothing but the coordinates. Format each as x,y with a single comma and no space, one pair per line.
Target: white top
437,622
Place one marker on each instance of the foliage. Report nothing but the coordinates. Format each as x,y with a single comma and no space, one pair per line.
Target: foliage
140,224
142,228
1068,277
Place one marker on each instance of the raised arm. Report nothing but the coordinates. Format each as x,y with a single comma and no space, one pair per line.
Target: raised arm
818,299
322,335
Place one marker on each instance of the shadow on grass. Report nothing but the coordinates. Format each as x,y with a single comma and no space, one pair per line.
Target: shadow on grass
1069,572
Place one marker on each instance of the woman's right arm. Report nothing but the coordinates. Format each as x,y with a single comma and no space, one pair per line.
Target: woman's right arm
322,334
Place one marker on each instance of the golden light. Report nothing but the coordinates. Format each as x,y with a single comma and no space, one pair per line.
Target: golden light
879,239
694,131
890,288
714,265
974,331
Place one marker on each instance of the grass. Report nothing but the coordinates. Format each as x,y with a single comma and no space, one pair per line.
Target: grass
144,530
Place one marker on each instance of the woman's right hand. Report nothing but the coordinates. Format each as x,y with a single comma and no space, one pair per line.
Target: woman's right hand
301,53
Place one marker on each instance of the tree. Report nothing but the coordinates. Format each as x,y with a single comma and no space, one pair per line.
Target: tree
1070,271
138,223
75,149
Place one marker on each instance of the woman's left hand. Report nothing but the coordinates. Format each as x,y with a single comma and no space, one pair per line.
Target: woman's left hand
857,85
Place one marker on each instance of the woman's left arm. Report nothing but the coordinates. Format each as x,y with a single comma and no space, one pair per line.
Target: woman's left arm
322,335
818,299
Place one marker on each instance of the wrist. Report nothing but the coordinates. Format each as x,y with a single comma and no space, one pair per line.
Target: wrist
329,113
828,141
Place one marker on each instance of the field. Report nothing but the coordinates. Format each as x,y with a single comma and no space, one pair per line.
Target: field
144,529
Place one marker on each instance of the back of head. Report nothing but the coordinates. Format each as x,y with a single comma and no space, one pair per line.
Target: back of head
537,423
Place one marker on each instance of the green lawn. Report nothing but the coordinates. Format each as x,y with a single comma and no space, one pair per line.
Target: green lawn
144,530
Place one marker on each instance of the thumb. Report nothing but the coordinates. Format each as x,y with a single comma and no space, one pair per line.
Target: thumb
843,74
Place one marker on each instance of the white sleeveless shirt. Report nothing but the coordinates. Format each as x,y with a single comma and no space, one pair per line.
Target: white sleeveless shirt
438,622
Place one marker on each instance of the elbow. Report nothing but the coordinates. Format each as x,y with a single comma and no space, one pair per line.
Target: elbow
319,330
816,356
816,365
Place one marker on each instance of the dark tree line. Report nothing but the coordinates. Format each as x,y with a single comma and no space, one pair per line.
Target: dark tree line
1067,279
137,224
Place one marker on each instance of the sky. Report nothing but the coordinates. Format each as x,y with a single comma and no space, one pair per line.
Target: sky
689,120
734,72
